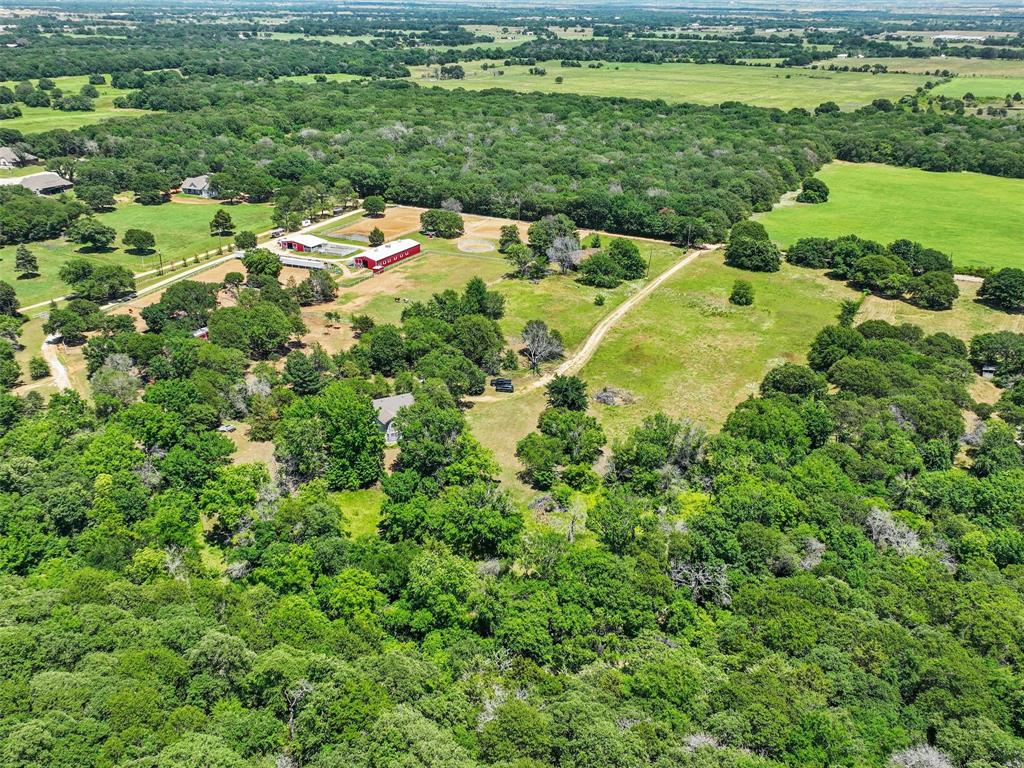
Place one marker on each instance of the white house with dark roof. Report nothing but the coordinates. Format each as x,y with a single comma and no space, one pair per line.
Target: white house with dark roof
387,408
199,186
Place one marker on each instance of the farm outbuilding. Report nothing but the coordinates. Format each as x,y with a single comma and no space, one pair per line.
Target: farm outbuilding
303,262
385,255
303,243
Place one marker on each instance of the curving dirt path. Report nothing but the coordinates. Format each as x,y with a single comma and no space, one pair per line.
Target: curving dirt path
593,341
57,369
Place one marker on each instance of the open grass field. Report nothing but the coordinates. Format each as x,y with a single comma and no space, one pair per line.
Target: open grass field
982,87
181,230
688,352
37,119
693,83
966,215
569,307
989,67
337,39
441,265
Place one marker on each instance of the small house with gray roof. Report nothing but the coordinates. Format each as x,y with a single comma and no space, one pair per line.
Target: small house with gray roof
387,408
199,186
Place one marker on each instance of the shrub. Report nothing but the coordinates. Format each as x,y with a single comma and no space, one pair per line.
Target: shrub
38,368
933,290
742,294
374,205
748,228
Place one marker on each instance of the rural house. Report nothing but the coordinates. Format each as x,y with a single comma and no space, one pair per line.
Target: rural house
199,186
385,255
46,183
387,408
15,158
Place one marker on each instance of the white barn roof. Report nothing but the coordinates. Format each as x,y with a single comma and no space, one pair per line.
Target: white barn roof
306,241
388,249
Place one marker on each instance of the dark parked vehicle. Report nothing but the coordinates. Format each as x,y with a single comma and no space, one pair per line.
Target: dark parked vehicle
500,382
504,387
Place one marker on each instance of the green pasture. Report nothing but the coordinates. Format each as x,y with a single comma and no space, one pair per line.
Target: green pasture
694,83
569,307
967,215
688,352
181,230
38,119
333,78
337,39
988,67
982,87
440,266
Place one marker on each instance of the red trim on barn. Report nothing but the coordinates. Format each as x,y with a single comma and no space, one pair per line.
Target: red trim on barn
291,245
378,265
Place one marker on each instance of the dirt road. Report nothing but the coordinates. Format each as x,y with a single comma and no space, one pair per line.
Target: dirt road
57,369
590,346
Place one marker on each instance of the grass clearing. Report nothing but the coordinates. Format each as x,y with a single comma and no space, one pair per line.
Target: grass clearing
963,214
336,39
331,78
181,230
361,510
569,307
37,119
989,67
981,87
693,83
688,352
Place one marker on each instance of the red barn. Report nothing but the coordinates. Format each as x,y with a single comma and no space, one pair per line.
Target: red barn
303,243
385,255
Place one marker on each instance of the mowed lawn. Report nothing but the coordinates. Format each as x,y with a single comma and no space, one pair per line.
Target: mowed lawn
693,83
38,119
182,230
967,215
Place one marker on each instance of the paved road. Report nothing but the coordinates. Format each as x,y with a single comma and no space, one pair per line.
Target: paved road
590,346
